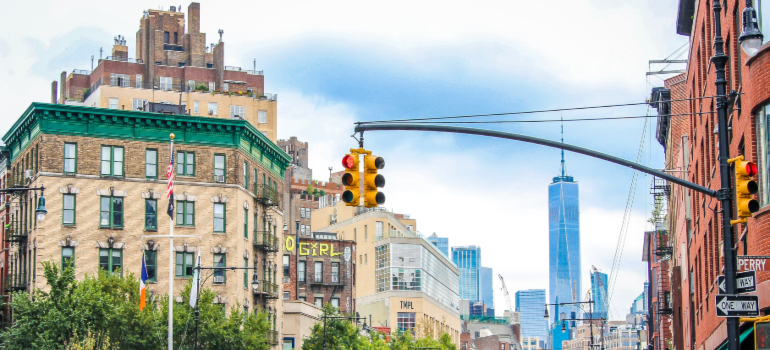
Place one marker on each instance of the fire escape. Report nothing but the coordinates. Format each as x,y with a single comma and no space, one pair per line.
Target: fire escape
663,308
268,197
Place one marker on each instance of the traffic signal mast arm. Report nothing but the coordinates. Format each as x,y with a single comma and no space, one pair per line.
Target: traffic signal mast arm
361,127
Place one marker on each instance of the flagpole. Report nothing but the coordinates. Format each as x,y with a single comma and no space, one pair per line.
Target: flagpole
171,265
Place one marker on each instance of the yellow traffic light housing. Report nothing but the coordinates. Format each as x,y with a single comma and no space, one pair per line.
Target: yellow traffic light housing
372,180
745,188
351,179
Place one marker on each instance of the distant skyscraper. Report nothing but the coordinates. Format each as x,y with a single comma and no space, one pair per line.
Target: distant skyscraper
442,243
487,288
530,304
564,242
468,260
599,293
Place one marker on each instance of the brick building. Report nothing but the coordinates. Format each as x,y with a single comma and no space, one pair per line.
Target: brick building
173,65
105,195
691,146
320,269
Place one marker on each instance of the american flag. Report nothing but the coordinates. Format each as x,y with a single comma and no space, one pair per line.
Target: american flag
170,188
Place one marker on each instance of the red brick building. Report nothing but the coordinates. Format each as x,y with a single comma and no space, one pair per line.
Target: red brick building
687,130
320,269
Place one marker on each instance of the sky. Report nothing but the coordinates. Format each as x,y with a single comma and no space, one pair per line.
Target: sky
337,62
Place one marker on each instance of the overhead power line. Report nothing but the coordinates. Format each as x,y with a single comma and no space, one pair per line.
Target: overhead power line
544,120
527,112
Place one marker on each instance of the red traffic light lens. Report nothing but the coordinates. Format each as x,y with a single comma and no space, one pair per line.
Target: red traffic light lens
751,169
348,162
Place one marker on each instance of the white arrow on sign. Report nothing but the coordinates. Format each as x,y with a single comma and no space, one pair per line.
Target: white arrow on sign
722,285
729,305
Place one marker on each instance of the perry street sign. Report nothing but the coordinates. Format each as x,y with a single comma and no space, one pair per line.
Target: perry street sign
737,305
753,262
746,282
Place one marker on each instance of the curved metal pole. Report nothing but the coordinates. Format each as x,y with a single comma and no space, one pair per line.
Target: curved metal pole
524,138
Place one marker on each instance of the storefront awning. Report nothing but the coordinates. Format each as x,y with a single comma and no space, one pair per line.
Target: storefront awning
745,335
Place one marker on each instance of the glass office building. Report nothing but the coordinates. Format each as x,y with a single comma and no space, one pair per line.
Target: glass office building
530,304
468,260
599,294
442,243
487,288
564,243
411,267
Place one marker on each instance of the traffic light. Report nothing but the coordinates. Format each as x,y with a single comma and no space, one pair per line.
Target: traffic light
372,180
351,180
745,188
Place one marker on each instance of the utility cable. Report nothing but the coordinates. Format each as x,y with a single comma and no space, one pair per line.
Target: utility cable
529,112
548,120
625,223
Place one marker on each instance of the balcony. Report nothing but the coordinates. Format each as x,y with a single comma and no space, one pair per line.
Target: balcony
267,289
663,249
268,196
272,337
319,280
265,241
15,282
14,234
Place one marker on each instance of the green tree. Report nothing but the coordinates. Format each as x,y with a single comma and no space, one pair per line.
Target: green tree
102,312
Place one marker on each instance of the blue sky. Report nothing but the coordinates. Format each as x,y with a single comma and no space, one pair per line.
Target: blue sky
334,63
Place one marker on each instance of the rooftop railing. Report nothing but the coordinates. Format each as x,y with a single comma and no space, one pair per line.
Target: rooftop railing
248,71
124,59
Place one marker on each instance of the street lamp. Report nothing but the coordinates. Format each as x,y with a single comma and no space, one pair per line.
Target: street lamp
751,36
41,211
546,314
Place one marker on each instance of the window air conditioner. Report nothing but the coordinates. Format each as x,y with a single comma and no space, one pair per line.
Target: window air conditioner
219,279
220,178
28,174
211,112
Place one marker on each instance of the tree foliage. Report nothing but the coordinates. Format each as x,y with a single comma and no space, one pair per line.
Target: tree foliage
102,312
345,334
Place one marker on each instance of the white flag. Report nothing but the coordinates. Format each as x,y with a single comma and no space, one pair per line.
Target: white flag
196,278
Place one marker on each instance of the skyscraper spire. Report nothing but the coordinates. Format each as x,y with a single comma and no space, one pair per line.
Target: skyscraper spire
563,171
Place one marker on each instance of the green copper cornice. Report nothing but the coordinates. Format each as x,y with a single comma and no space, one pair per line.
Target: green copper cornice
46,118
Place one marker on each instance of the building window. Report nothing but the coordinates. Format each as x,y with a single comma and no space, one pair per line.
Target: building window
336,302
319,302
166,37
219,274
150,214
138,104
112,161
245,223
379,229
211,88
763,148
114,103
111,259
246,175
219,167
196,107
185,213
286,296
68,210
225,87
184,264
185,163
301,272
319,272
166,83
286,265
406,321
262,117
219,217
122,80
335,272
67,257
139,81
151,262
245,273
111,212
151,163
237,112
70,158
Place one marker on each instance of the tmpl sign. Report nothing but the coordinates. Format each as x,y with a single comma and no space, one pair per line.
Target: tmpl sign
737,305
745,282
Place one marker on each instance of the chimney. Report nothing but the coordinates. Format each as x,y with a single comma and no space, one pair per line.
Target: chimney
63,86
54,92
194,18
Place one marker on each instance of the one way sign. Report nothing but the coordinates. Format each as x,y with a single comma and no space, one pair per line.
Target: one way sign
746,282
737,305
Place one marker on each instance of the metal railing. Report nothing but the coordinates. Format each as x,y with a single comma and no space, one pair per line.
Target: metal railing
173,47
239,69
269,289
89,91
266,241
269,196
266,97
272,336
15,282
124,59
81,71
